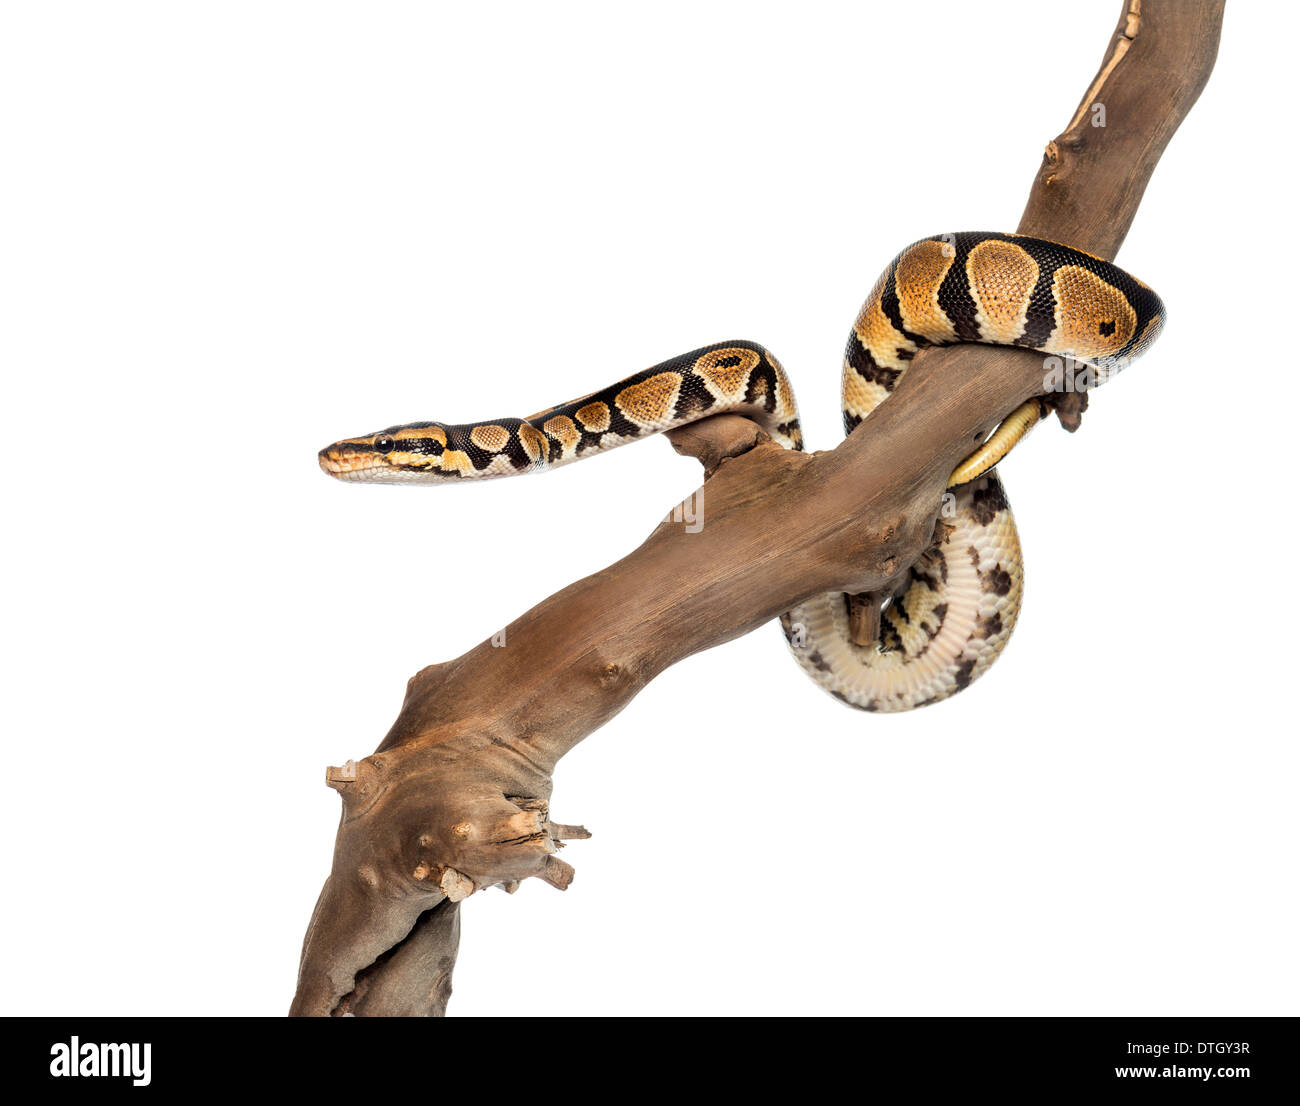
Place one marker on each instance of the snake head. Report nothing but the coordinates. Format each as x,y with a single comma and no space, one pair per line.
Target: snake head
415,453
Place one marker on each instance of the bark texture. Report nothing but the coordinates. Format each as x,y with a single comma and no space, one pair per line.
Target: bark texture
456,797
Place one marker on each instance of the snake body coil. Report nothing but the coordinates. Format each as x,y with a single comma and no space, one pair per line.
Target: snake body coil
958,604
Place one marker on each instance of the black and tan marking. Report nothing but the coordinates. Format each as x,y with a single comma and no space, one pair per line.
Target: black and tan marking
958,603
740,377
1001,289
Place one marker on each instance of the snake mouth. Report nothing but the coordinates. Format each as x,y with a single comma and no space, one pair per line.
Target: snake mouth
360,463
348,461
371,470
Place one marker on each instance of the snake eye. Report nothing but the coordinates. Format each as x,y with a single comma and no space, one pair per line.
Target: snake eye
384,444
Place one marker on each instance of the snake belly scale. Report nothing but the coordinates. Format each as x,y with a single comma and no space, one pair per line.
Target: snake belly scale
958,603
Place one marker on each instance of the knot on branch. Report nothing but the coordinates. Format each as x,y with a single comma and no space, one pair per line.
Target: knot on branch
714,440
1069,407
425,825
498,844
452,842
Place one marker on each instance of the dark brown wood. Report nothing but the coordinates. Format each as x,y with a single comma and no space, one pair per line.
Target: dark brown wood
864,617
456,797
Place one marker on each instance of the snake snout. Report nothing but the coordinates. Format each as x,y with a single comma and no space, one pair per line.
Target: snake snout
346,460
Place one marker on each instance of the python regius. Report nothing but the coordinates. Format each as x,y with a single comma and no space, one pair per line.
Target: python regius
955,609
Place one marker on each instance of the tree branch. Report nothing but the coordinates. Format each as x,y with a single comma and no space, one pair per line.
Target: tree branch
456,797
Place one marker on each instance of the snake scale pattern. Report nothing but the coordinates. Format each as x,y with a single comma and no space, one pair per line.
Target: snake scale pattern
956,608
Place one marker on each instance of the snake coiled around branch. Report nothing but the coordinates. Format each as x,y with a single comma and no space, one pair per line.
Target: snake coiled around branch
957,605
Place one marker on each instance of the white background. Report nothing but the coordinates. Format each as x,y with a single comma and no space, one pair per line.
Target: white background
235,232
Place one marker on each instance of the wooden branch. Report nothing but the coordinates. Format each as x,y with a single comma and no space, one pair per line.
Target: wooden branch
456,797
1093,177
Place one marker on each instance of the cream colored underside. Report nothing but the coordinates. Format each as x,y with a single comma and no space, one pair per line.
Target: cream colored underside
925,668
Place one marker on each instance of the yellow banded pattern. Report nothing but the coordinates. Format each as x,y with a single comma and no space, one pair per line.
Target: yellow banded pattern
956,606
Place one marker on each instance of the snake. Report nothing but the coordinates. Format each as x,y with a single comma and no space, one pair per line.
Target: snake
951,613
